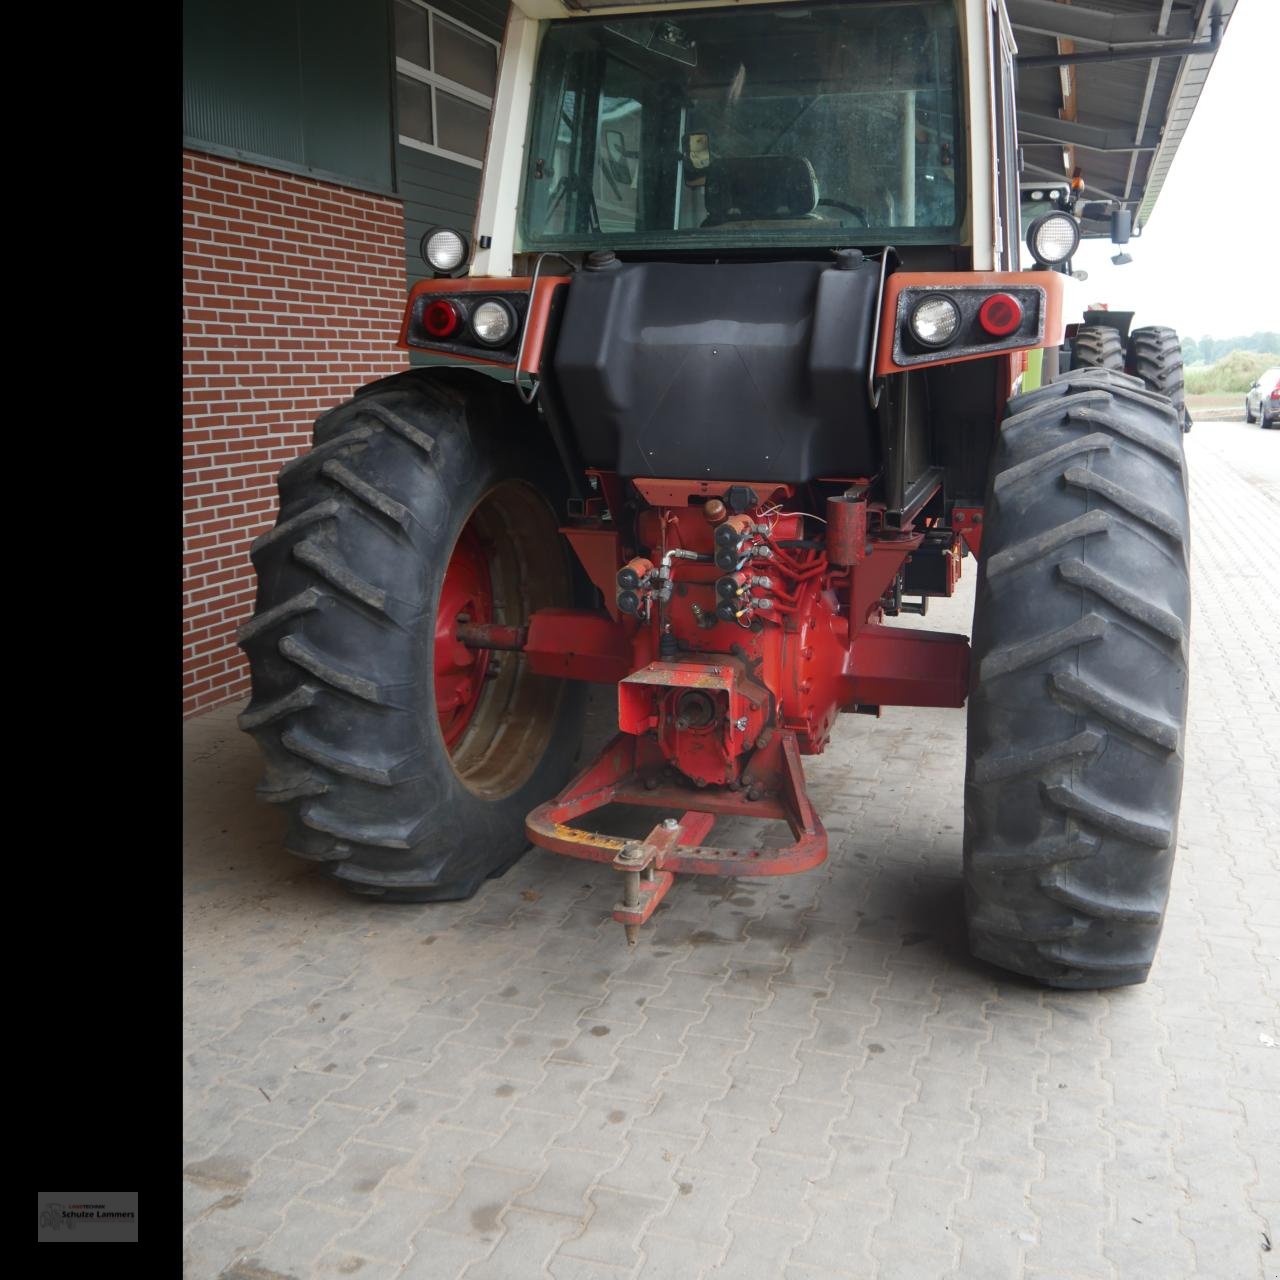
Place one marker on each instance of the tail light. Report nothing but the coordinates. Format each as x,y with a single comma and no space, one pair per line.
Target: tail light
1275,392
442,319
1000,315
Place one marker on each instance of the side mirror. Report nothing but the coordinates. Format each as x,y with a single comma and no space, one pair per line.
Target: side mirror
1121,225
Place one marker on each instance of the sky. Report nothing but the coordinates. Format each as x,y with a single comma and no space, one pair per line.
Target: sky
1208,261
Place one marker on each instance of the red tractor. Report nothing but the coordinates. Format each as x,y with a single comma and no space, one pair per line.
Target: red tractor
724,385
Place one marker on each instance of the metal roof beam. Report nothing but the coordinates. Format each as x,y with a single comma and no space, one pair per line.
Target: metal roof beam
1071,133
1072,22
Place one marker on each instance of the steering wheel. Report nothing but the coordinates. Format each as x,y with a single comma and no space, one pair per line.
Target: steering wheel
848,208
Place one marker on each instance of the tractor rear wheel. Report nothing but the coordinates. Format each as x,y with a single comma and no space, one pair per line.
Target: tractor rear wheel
1079,684
1097,346
1155,356
406,762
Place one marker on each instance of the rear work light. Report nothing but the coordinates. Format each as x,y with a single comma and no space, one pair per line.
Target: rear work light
441,319
1000,315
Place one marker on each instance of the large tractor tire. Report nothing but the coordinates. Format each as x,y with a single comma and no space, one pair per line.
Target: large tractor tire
1097,346
406,762
1155,356
1078,697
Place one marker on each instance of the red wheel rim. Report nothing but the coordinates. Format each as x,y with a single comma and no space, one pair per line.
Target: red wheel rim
466,593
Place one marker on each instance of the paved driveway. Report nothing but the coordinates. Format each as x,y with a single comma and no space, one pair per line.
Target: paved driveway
794,1080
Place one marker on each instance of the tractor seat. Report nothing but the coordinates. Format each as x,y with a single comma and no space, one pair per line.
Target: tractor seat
760,188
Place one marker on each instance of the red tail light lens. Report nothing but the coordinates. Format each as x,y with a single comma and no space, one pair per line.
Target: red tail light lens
1000,315
1275,392
441,319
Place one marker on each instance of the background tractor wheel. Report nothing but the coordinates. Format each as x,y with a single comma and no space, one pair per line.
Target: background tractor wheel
1155,356
406,761
1097,346
1079,685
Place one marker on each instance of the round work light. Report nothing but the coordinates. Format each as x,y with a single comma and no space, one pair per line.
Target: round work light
935,320
1052,238
493,322
444,250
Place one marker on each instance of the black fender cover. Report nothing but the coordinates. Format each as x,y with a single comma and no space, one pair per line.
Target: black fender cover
752,370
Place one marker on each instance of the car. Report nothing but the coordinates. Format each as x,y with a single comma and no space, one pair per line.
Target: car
1262,403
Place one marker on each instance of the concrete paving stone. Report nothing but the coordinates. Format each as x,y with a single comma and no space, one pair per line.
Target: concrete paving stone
875,1109
566,1268
455,1067
244,1040
774,1049
344,1053
215,1109
648,1165
334,1262
561,1089
613,1231
727,1018
1071,1173
386,1231
638,1074
782,1190
919,1219
595,1044
992,1254
566,1177
623,1005
304,1232
528,1242
699,1211
758,1248
680,1109
525,1059
665,1257
524,1139
421,1038
442,1255
792,1006
686,990
372,1089
1008,1087
324,1137
822,1078
476,1209
485,1107
602,1123
705,1061
805,1127
726,1143
943,1095
752,1096
860,1171
442,1160
354,1182
935,1150
841,1237
211,1246
841,1032
405,1119
661,1031
1070,1238
999,1194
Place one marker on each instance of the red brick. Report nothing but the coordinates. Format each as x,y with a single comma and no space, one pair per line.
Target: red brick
266,256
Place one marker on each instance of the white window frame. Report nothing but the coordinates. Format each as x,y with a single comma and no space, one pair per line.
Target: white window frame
434,80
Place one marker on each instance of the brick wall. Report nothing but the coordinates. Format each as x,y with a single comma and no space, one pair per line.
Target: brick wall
292,296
